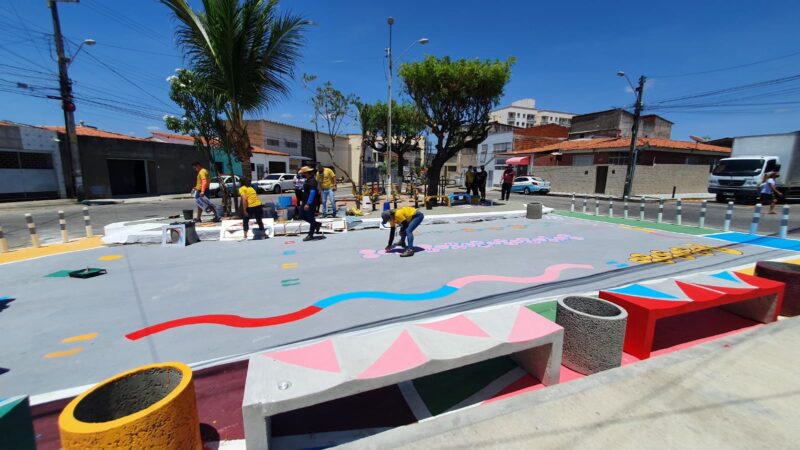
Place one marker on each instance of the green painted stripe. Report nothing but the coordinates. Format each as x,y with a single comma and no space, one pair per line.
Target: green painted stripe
59,274
290,282
546,309
696,231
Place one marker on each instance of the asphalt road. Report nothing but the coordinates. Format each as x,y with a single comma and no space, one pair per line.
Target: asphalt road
45,214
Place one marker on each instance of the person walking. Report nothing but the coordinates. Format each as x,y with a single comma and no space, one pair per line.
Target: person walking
299,180
482,178
251,207
768,191
327,182
508,180
199,193
409,219
469,178
310,200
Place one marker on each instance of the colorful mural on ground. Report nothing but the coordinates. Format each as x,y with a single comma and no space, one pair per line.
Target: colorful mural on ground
538,240
550,274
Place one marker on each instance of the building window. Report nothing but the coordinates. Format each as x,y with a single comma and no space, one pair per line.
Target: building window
502,147
272,142
582,160
291,144
25,160
618,158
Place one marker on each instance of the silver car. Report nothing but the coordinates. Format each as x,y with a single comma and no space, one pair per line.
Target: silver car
276,183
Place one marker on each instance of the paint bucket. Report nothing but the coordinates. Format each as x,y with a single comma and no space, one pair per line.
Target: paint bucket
188,214
153,406
284,201
386,206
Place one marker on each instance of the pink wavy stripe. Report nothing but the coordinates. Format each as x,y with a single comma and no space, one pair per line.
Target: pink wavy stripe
552,273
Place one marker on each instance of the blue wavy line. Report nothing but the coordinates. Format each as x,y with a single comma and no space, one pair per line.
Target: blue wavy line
382,295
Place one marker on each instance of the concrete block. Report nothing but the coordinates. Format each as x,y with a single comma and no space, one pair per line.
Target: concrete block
346,365
594,331
534,211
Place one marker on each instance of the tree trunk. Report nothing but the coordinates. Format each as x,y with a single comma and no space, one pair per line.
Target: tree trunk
433,175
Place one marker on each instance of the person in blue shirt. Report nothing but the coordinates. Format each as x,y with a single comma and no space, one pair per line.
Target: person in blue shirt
311,196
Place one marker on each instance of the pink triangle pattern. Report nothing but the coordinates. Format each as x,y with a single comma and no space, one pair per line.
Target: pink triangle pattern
403,354
459,324
530,325
319,356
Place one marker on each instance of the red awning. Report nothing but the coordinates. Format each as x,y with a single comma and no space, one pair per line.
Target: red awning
519,161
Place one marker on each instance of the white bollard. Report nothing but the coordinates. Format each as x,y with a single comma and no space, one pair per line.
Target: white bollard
703,208
584,204
660,210
3,242
679,212
728,217
610,208
641,209
86,223
32,229
784,230
62,224
596,206
756,219
625,209
572,205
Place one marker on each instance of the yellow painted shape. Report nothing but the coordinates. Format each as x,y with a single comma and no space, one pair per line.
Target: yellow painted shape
25,254
518,226
82,337
289,265
110,257
171,422
64,353
470,230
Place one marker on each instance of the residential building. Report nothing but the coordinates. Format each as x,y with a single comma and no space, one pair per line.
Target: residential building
599,165
30,163
523,114
615,123
262,162
115,164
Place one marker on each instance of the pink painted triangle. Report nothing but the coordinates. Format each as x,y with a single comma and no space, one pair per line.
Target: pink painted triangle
319,356
402,355
459,324
530,325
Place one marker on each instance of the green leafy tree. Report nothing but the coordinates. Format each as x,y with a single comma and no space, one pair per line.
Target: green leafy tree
408,127
332,108
201,120
455,98
245,51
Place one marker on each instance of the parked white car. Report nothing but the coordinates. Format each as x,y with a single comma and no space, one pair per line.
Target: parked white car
213,187
528,185
276,183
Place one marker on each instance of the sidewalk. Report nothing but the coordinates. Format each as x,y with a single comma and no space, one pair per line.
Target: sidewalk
735,392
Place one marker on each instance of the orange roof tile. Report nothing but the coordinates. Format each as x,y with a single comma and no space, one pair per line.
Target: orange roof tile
605,143
94,132
266,151
184,137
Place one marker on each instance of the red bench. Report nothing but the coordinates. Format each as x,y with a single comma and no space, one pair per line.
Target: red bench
753,297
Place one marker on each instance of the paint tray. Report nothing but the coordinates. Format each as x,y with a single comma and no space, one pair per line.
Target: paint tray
88,272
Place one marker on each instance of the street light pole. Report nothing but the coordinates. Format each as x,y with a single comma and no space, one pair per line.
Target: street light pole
67,104
388,134
634,151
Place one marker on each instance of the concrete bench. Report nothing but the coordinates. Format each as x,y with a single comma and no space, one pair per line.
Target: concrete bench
346,365
752,297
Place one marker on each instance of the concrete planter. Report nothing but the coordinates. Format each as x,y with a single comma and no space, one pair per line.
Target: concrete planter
594,331
152,407
785,273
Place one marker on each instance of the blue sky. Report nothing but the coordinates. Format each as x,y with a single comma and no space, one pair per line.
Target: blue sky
567,56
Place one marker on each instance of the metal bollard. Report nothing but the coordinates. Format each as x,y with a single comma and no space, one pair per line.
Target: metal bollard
62,223
756,219
728,217
703,208
3,242
584,204
625,209
679,212
596,206
572,205
660,210
610,208
32,229
87,223
641,209
782,233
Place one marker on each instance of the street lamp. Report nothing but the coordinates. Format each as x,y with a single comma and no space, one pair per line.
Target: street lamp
388,134
634,152
89,42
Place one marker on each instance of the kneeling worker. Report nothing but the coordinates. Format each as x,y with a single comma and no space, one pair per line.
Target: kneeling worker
409,219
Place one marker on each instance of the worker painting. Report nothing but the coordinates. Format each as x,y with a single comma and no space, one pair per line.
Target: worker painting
408,219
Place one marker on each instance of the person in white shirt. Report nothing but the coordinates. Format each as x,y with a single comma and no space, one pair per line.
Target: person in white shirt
768,191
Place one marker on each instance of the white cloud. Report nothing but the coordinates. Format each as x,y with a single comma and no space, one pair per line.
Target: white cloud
286,116
153,128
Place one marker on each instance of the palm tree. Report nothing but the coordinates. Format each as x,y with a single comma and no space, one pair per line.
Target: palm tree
244,52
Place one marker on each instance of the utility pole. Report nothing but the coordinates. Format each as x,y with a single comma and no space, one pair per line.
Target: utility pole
67,103
634,152
388,134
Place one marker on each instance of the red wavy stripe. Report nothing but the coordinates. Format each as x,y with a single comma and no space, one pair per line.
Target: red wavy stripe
230,320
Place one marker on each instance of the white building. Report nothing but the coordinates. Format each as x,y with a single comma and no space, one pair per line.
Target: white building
523,114
499,140
30,163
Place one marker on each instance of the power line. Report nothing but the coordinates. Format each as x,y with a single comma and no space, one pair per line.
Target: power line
766,83
724,69
117,73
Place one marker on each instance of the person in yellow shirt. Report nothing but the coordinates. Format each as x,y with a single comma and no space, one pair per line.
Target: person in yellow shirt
327,184
409,219
199,192
469,179
251,207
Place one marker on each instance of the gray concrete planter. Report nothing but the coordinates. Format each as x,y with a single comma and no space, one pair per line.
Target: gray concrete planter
594,331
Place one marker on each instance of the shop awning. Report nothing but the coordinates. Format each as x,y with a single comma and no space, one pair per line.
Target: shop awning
519,161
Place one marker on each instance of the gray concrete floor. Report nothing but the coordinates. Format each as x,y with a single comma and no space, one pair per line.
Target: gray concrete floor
151,284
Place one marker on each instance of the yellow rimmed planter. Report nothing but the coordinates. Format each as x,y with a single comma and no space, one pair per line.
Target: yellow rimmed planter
150,407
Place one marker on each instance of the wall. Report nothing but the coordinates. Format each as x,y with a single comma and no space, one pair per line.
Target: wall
649,180
30,182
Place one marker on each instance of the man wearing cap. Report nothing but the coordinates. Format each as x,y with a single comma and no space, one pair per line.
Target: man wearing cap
310,200
409,219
